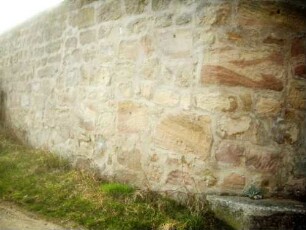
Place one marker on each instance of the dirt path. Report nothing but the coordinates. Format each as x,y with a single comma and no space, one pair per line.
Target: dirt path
13,218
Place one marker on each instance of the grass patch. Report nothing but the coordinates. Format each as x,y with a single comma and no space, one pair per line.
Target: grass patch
116,189
46,184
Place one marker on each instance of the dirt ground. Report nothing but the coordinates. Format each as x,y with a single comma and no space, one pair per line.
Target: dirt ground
14,218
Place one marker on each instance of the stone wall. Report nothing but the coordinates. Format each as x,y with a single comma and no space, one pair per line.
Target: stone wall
181,95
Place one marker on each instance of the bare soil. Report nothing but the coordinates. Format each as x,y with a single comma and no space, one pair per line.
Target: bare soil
14,218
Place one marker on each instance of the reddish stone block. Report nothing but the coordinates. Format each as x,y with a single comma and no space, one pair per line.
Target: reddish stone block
234,181
214,74
262,161
229,153
298,57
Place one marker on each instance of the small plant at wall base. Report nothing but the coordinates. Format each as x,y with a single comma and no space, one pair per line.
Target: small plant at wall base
254,192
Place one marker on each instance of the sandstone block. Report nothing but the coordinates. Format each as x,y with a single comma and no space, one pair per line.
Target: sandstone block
298,57
160,4
179,177
85,17
130,159
129,50
230,153
109,10
234,181
47,72
297,95
166,97
183,19
213,14
164,20
186,134
254,14
135,7
53,47
215,101
234,126
213,74
125,89
263,160
176,44
268,106
88,36
132,117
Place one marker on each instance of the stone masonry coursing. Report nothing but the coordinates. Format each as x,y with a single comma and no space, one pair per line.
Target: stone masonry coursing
183,95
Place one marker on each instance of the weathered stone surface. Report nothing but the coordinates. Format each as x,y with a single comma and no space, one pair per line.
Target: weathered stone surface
109,10
83,18
53,47
297,95
166,97
160,4
234,126
234,181
132,117
230,153
263,160
176,44
179,177
164,20
185,134
130,159
221,75
244,213
132,7
215,101
129,50
268,106
183,19
298,57
213,14
88,36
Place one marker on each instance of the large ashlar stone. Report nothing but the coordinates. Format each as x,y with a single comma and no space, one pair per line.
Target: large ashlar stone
230,153
132,117
166,97
186,134
234,126
88,36
160,4
234,181
135,7
176,44
263,160
297,95
268,106
129,50
109,10
216,74
130,159
164,20
85,17
216,101
178,177
53,47
298,57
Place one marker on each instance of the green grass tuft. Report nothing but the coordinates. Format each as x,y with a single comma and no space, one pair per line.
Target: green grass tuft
45,183
116,189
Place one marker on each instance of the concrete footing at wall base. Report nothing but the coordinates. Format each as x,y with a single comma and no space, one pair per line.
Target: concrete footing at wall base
247,214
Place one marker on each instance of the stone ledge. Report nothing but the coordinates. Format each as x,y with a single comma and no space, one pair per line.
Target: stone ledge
244,213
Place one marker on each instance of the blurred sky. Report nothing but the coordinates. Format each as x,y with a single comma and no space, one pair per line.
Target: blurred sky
14,12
